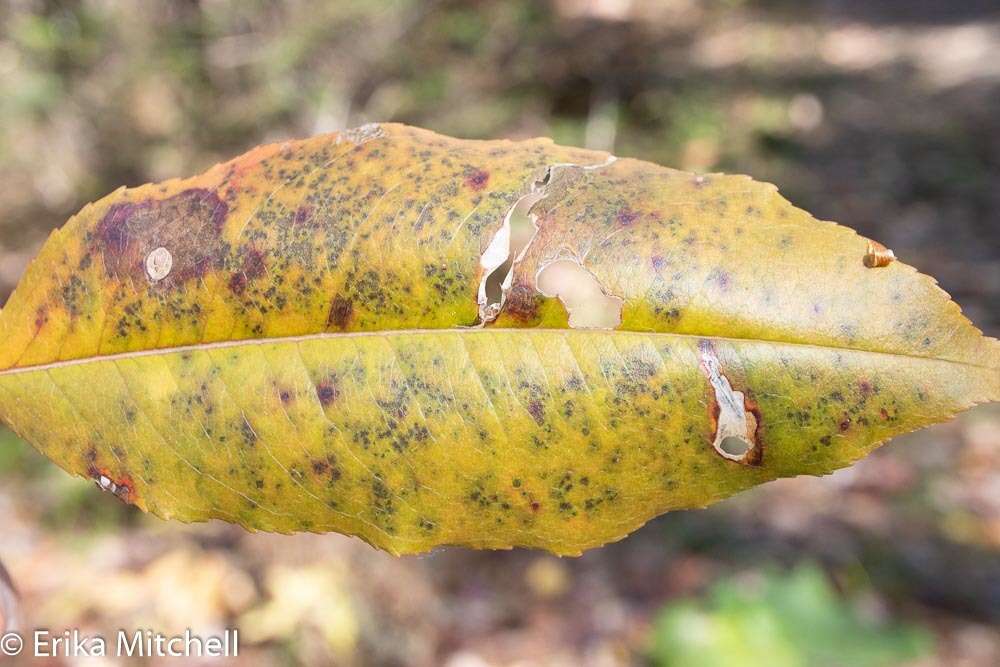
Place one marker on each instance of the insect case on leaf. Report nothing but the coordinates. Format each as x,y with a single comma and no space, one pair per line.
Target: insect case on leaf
424,341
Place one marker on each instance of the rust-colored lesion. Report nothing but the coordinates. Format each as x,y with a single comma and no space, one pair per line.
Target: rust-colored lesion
340,314
477,179
327,391
755,455
523,303
41,317
121,486
253,265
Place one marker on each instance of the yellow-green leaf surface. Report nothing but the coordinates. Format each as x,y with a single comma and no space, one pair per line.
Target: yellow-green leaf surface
308,338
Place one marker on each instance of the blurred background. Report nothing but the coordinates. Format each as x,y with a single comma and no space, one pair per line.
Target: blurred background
884,116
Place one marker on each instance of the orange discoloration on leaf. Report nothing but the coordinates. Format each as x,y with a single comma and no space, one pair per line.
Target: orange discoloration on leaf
122,487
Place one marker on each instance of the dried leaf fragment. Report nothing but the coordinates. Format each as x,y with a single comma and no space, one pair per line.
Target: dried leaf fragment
878,255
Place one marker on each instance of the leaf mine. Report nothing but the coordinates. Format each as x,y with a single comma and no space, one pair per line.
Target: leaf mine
427,341
735,424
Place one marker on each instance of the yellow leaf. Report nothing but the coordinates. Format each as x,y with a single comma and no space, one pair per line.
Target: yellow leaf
423,341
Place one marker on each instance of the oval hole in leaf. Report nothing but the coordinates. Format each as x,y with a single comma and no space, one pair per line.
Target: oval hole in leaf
734,445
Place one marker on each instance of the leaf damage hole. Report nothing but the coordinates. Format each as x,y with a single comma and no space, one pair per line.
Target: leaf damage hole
505,249
511,242
578,289
734,445
736,419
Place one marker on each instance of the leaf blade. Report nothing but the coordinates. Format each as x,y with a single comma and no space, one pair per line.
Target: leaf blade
628,412
297,358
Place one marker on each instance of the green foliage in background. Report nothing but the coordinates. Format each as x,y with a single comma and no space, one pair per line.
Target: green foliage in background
783,620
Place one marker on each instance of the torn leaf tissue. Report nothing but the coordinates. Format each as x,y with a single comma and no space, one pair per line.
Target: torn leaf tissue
424,341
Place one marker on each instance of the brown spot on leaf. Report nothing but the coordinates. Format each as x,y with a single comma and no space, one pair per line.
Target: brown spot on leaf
537,411
253,264
41,317
477,179
188,225
238,283
327,392
722,279
302,215
253,267
327,467
341,311
522,303
626,217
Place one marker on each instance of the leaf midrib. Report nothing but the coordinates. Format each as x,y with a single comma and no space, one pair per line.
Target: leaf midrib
197,347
